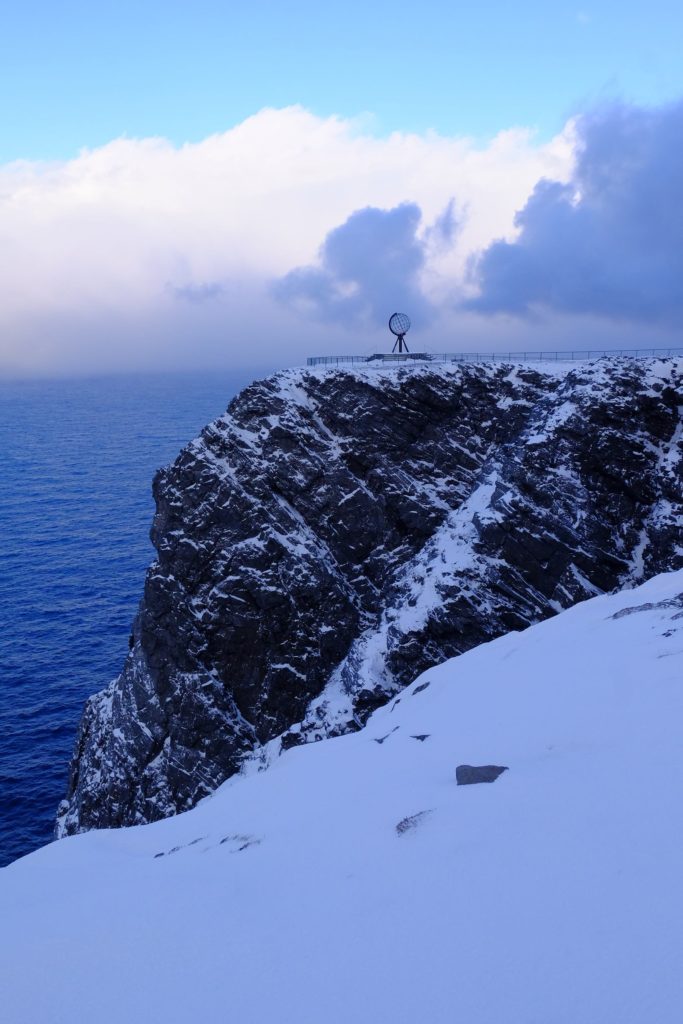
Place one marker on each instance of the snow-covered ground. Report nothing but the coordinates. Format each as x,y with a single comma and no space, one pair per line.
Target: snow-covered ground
354,881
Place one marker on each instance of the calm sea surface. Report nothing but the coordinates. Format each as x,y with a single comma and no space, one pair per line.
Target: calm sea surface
76,466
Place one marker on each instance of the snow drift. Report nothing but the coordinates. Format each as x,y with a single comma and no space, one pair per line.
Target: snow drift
356,881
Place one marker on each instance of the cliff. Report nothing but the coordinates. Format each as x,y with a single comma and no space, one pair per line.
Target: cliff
336,533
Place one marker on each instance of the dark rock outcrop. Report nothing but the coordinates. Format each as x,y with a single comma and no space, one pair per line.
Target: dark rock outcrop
471,774
336,533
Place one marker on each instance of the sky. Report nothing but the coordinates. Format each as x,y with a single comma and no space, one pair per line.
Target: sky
212,184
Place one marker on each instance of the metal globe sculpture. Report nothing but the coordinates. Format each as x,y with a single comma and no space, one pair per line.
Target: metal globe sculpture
399,324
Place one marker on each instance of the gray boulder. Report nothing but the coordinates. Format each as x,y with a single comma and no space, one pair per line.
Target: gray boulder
469,774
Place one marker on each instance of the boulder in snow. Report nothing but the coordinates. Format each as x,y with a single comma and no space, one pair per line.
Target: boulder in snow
467,774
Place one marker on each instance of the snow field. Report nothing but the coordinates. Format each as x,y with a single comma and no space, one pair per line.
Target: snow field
552,896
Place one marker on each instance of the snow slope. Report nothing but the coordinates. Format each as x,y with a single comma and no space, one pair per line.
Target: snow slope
354,881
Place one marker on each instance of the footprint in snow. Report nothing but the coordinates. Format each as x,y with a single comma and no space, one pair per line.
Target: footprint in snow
175,849
237,844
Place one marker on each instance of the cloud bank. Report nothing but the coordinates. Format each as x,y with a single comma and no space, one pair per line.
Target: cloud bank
143,255
606,243
292,235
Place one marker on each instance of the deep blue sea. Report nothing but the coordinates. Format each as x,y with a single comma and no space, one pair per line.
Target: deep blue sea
76,464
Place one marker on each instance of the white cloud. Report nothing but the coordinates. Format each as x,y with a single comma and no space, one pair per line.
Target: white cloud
142,254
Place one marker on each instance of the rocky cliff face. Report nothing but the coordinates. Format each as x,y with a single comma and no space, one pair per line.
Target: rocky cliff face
337,532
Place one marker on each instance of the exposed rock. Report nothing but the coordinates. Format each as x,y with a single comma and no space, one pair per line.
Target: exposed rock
675,602
381,739
336,533
469,774
410,823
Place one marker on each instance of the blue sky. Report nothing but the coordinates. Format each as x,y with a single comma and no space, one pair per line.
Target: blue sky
210,184
77,74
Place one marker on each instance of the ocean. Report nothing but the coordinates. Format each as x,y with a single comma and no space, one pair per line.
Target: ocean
76,464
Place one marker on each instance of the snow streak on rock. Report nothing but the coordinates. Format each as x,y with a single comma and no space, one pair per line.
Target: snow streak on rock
337,532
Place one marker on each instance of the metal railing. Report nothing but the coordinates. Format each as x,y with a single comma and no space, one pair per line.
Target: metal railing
567,355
